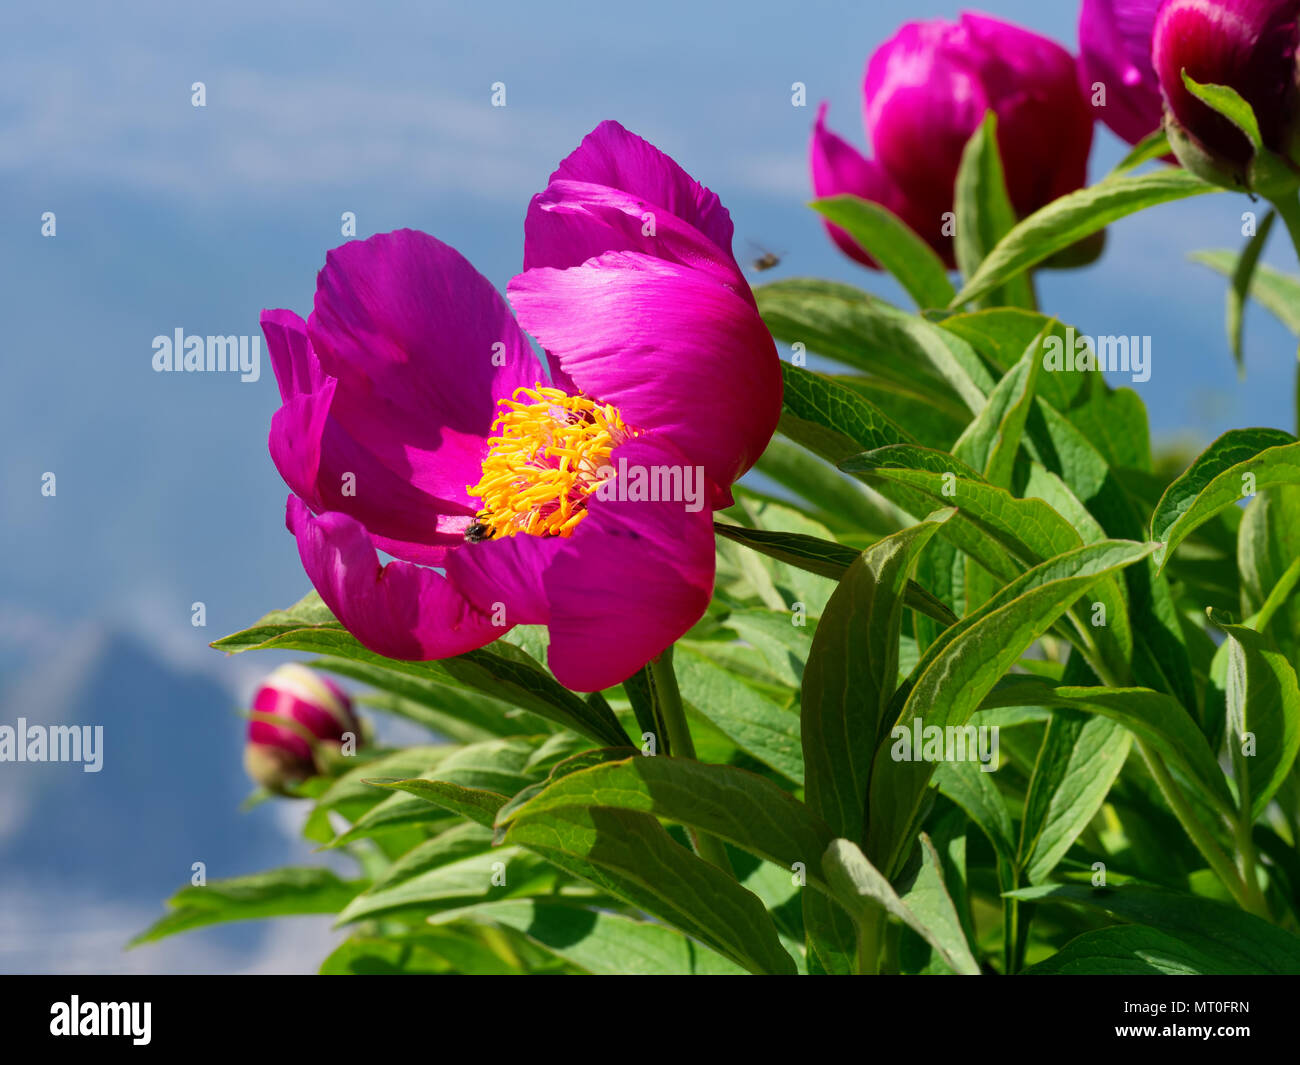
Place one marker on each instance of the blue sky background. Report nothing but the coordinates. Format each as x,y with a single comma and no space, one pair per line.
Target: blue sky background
171,216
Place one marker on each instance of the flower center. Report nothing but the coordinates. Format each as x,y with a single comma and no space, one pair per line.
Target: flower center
544,463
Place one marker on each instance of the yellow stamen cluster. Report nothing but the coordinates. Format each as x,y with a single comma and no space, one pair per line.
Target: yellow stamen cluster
545,462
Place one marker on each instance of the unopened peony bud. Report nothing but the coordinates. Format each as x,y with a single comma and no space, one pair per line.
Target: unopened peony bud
277,756
1245,45
926,92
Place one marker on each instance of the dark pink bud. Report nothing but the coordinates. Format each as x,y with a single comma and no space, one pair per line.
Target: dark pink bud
276,755
926,92
1247,45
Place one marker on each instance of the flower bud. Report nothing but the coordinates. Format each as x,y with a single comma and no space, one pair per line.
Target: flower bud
317,711
1246,45
926,92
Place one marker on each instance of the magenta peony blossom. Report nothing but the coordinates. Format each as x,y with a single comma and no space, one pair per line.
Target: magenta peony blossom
926,92
1248,45
418,422
276,756
1115,51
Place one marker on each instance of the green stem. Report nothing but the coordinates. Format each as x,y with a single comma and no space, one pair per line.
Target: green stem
869,930
668,700
1258,905
1193,826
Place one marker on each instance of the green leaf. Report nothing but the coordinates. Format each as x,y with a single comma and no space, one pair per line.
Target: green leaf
733,804
1233,932
925,893
985,215
1229,103
1279,293
962,666
972,789
1136,950
504,671
1071,218
1263,704
1003,334
894,245
997,530
852,327
1268,547
477,804
598,941
861,889
1078,762
631,856
1238,464
429,882
1153,717
991,441
836,500
830,419
277,893
827,559
448,709
751,720
1239,291
1151,147
425,952
851,675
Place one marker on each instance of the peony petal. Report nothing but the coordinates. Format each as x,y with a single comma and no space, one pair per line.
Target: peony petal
668,346
387,491
399,610
630,581
502,577
611,155
573,221
1115,50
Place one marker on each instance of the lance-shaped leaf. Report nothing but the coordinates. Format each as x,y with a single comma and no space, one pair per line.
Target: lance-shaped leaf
861,889
961,667
1279,293
991,441
985,215
1252,940
752,721
894,245
1137,950
1068,220
852,327
1000,532
1263,704
1150,148
851,675
1153,717
278,893
596,941
1233,468
631,856
725,801
1078,761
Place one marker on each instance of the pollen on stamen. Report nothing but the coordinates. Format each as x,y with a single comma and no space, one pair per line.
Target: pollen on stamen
544,459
